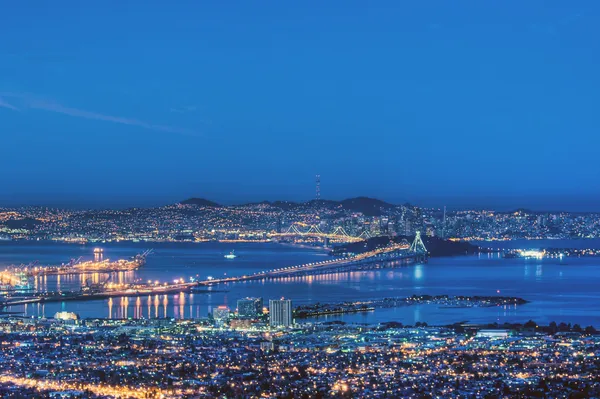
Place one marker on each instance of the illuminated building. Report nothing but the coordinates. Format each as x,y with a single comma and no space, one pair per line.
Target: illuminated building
267,346
280,312
530,253
66,316
221,316
497,333
250,308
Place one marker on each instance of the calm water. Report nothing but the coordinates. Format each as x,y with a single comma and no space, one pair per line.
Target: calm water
566,290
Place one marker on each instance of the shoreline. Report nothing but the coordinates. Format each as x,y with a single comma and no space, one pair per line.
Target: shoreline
291,245
86,241
443,302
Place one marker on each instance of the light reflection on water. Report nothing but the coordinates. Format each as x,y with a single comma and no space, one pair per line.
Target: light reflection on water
172,305
558,290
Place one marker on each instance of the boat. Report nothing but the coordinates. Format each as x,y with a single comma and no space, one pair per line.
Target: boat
231,255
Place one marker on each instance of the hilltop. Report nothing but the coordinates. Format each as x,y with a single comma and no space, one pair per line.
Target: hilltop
200,202
365,205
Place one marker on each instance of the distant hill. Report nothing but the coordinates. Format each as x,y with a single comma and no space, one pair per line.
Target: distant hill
365,205
285,205
26,224
324,203
200,202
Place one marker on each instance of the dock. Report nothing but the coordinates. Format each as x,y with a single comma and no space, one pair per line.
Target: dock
79,296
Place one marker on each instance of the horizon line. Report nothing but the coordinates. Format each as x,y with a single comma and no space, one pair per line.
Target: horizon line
451,208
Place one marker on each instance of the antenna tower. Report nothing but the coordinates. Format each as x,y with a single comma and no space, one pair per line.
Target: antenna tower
318,187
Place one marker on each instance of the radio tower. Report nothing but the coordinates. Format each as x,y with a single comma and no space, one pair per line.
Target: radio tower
318,187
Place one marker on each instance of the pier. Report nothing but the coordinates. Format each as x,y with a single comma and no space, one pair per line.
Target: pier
82,296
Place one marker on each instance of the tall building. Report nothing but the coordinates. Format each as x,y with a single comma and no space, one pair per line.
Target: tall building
280,312
250,308
408,228
221,316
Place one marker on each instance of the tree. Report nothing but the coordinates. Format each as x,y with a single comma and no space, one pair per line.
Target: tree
530,324
590,330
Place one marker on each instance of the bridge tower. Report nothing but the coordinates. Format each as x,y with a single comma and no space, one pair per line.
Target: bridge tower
417,245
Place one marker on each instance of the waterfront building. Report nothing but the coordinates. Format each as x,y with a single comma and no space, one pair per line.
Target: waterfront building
250,308
280,312
66,316
495,333
221,316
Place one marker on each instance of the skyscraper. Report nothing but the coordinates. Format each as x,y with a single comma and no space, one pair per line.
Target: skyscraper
249,308
221,316
280,312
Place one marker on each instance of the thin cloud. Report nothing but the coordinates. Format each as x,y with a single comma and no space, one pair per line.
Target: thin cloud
61,109
34,103
183,110
4,104
192,110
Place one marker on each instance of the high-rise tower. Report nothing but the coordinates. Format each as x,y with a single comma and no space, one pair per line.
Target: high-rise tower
318,187
280,313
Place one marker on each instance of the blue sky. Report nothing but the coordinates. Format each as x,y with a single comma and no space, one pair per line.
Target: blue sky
469,103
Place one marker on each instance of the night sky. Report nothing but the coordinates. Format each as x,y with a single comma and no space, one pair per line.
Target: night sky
459,103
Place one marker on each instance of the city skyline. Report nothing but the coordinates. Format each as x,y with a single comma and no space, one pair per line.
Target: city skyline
457,105
572,205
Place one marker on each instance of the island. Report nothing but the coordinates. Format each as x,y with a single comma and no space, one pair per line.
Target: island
436,246
442,301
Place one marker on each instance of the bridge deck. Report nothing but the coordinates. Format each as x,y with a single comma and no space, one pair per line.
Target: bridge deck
396,252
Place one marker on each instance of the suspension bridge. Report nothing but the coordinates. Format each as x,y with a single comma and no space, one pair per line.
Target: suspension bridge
393,255
405,253
303,231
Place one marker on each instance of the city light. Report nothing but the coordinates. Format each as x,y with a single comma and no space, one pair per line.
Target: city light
530,253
